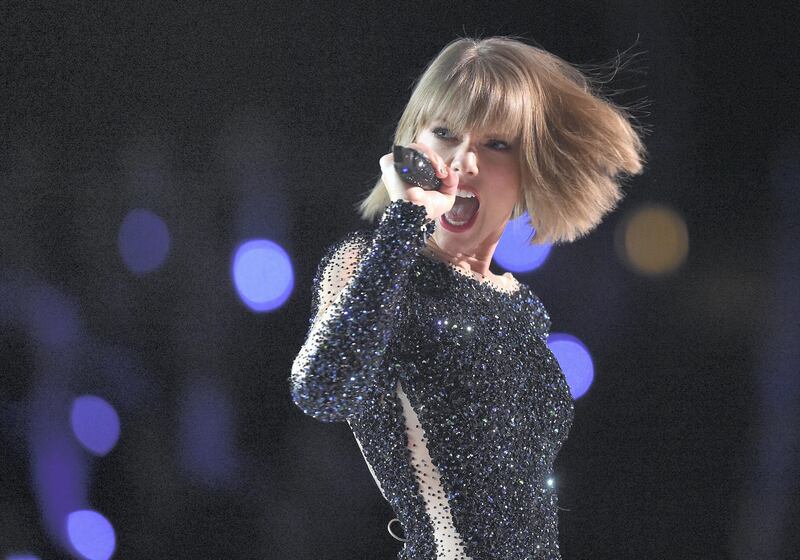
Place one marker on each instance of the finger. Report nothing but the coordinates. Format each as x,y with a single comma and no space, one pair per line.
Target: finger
415,195
441,167
450,180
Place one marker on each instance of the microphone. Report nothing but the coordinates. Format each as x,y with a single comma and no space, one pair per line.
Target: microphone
414,167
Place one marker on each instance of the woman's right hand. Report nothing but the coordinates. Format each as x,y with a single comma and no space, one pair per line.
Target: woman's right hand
436,202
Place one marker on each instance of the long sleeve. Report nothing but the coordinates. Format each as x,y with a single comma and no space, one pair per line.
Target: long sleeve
358,288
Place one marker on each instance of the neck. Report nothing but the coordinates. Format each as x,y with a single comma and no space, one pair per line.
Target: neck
476,260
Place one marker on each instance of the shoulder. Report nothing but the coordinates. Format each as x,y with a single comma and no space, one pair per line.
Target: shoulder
534,308
350,242
351,237
541,317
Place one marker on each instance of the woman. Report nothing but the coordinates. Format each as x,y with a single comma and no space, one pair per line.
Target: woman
440,367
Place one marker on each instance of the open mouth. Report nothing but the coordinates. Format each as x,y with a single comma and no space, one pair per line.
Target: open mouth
462,215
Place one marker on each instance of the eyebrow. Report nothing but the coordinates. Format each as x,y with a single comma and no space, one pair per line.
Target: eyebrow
494,135
507,138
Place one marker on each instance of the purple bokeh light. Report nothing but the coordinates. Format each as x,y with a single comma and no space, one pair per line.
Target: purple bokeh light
263,275
53,319
143,241
207,434
22,556
95,423
575,361
59,472
514,253
91,534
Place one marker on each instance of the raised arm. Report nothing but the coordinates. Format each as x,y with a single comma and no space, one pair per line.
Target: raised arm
358,288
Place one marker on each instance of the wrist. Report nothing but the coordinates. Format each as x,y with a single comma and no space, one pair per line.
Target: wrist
408,216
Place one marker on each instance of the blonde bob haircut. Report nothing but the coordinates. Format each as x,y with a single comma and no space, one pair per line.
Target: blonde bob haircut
574,145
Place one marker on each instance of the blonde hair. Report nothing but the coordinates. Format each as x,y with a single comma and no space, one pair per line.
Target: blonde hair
574,144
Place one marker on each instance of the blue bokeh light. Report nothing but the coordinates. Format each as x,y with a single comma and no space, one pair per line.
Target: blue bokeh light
59,468
514,253
208,434
143,241
53,319
263,275
95,423
575,361
91,534
22,556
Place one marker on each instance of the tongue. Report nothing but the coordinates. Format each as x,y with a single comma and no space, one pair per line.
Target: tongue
463,209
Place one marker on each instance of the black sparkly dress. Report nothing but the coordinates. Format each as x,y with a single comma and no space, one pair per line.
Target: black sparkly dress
458,405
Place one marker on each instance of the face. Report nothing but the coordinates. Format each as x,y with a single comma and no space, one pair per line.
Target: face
487,164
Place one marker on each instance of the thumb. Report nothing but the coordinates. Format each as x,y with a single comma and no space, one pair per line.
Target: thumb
386,161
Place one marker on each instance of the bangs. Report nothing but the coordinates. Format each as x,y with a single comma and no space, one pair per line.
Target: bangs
478,95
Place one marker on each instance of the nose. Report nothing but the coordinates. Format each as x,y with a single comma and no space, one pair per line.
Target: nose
464,159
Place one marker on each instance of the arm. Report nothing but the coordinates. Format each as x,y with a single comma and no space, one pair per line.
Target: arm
358,289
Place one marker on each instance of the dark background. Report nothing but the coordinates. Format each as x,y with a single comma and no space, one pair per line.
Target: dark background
268,119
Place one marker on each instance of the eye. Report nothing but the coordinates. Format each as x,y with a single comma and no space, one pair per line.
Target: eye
443,133
499,145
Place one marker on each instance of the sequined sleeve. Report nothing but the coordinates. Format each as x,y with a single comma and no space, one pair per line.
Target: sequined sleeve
358,288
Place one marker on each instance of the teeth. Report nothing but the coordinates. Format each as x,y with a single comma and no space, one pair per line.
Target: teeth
465,194
455,222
